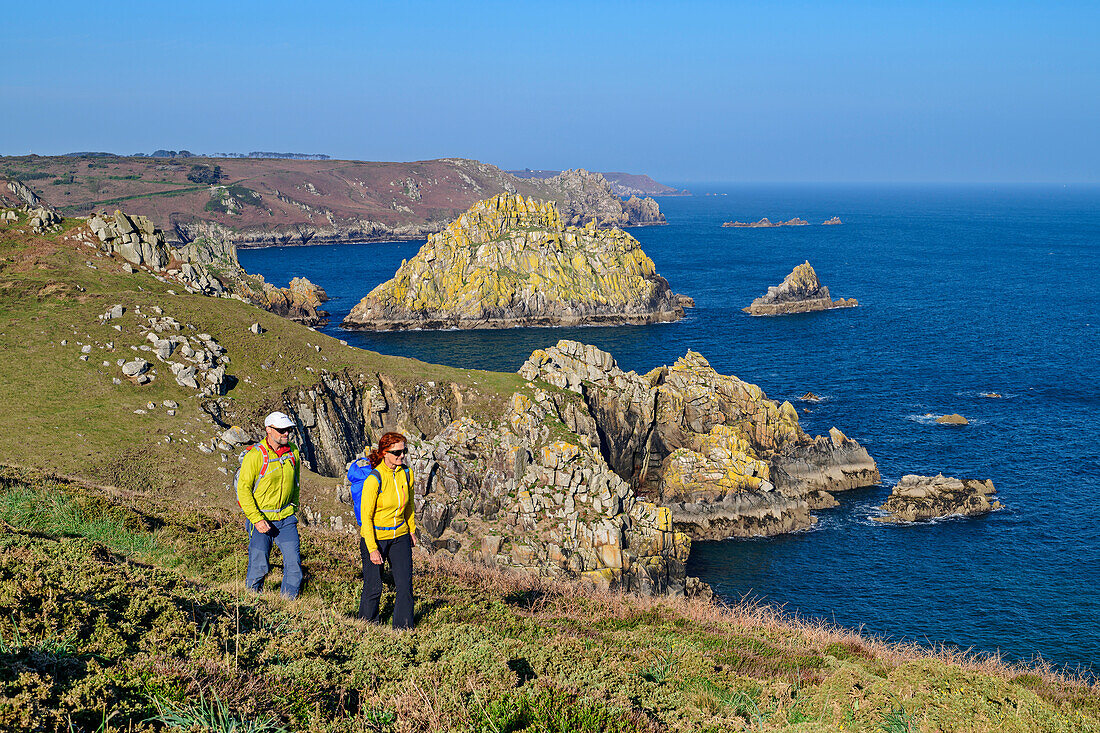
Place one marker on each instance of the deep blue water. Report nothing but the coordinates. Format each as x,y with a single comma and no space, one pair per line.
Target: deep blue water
962,290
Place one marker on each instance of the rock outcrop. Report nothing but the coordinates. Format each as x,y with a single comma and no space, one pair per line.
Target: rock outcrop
24,194
136,239
766,223
831,222
514,489
300,302
727,460
916,498
952,419
800,292
588,197
207,266
598,475
511,261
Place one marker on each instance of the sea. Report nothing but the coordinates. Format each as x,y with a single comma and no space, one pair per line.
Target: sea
982,300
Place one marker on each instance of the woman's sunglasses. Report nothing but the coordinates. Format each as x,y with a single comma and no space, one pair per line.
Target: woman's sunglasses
401,452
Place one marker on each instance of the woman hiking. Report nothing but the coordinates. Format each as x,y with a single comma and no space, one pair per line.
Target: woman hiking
388,527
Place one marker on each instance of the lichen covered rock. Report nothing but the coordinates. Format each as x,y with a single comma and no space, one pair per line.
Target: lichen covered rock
916,498
725,458
300,302
800,292
510,261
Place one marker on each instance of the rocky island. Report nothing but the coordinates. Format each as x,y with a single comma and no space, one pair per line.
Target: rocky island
510,261
916,498
766,223
800,292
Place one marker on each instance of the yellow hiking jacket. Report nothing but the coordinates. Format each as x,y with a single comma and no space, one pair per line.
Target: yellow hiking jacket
387,513
275,494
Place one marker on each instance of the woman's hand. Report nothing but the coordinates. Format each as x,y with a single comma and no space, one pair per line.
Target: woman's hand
376,557
413,537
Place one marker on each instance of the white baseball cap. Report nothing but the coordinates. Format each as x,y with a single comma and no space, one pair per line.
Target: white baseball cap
278,420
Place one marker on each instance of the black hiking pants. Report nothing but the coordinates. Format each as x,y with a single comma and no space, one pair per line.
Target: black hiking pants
399,554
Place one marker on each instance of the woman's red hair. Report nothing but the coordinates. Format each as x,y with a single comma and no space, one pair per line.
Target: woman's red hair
386,442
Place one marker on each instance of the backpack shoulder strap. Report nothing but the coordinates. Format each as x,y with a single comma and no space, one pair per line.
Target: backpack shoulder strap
267,459
377,476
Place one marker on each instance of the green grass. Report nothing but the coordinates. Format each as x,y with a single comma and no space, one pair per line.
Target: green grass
213,716
49,508
120,199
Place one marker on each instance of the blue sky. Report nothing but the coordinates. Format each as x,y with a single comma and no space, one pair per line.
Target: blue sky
689,91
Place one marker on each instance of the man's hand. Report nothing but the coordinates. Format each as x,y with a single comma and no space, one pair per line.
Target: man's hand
376,557
263,526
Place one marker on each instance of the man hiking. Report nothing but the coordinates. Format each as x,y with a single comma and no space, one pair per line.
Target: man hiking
267,491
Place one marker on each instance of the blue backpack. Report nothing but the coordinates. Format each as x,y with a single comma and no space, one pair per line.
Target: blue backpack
358,473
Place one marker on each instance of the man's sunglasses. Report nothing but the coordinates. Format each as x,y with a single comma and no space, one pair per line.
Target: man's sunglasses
281,431
401,452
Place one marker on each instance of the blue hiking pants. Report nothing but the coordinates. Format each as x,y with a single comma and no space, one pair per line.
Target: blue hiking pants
284,533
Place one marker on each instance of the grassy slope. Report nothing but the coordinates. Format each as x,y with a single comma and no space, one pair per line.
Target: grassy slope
112,600
152,612
65,414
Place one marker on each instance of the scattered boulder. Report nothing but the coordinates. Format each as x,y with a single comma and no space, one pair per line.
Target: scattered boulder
235,436
43,220
915,498
135,368
800,292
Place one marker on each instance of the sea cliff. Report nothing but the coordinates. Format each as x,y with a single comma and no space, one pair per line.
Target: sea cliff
511,261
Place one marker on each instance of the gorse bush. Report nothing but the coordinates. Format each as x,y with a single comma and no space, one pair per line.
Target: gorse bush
205,174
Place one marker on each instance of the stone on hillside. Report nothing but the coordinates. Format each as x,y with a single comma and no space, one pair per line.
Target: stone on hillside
509,262
171,404
135,367
800,292
115,311
952,419
86,349
186,378
915,498
256,328
236,436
